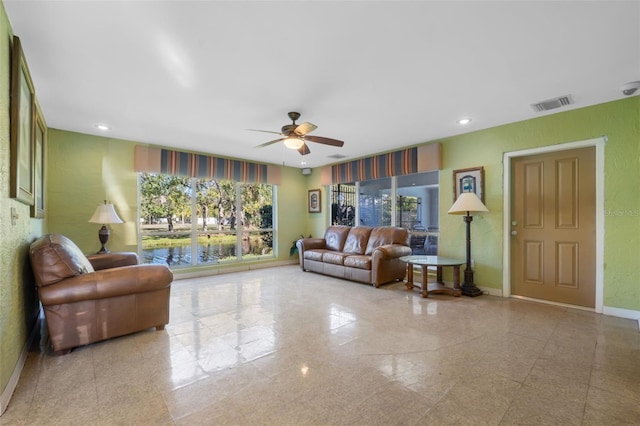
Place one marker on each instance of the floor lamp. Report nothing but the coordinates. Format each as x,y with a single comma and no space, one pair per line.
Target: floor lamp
466,204
104,214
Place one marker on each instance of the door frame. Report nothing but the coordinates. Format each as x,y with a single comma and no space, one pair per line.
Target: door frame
599,144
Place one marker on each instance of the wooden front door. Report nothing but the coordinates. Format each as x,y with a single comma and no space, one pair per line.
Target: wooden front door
553,227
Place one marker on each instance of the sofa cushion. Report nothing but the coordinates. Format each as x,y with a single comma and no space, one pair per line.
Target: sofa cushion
314,254
356,242
335,258
335,237
57,258
386,235
358,261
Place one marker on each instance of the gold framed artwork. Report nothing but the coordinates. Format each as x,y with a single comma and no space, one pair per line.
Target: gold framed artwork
22,128
39,146
315,205
468,180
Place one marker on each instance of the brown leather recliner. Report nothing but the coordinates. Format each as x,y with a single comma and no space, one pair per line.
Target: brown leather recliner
91,298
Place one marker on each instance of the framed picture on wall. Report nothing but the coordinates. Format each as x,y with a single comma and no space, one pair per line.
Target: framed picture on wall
468,180
315,206
39,144
22,128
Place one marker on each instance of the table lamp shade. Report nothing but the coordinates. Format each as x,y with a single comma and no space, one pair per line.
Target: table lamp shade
105,213
468,202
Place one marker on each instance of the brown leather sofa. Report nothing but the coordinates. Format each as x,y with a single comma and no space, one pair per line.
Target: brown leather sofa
91,298
360,253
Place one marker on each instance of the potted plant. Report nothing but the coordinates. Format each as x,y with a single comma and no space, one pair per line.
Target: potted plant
294,248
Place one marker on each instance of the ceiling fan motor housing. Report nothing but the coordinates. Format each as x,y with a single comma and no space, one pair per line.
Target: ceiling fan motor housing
287,129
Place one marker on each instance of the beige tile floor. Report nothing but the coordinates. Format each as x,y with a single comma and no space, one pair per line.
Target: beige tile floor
282,347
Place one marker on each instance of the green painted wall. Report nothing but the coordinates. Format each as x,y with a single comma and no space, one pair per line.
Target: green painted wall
292,210
18,300
620,122
84,170
317,223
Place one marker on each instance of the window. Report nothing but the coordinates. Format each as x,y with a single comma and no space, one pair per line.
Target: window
343,204
417,210
407,201
375,202
417,204
196,221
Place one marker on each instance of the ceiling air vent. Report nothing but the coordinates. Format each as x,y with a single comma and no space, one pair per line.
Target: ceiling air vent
552,103
337,156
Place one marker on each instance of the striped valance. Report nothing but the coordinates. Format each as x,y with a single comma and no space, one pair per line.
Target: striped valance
397,163
165,161
379,166
206,166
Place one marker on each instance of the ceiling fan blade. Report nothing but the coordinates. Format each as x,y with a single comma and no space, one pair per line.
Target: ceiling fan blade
264,131
269,143
304,149
305,128
326,141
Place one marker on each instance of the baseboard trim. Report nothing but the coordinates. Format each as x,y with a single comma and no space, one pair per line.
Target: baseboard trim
491,291
5,397
622,313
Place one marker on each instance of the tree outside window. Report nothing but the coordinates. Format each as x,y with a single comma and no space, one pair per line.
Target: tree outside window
192,221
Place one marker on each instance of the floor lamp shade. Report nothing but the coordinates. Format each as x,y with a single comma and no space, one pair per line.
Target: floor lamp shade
466,204
105,214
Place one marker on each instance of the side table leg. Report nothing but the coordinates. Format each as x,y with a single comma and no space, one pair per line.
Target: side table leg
409,276
439,274
456,280
425,285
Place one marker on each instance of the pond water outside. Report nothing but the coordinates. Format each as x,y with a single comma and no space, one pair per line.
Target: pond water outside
180,255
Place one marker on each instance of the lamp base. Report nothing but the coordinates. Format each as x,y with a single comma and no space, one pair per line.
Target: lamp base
103,236
468,287
470,290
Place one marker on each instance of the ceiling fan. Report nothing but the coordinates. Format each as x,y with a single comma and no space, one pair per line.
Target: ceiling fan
295,136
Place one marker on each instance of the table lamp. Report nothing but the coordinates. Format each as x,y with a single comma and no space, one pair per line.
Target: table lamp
104,214
466,204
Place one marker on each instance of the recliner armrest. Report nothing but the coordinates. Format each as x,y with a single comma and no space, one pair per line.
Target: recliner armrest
107,283
112,260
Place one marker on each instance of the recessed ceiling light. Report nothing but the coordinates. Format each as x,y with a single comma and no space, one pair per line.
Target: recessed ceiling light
102,127
464,121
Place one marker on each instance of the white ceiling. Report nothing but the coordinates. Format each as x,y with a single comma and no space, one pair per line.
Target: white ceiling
378,75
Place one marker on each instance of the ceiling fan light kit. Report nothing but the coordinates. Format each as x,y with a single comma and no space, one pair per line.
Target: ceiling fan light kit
295,136
293,143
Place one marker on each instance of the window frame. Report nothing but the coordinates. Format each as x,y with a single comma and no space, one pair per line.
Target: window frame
195,232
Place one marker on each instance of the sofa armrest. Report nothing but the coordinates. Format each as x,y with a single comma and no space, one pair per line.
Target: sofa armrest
310,243
386,265
112,260
107,283
390,251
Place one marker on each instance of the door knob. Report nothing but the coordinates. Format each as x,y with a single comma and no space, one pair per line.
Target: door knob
514,232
